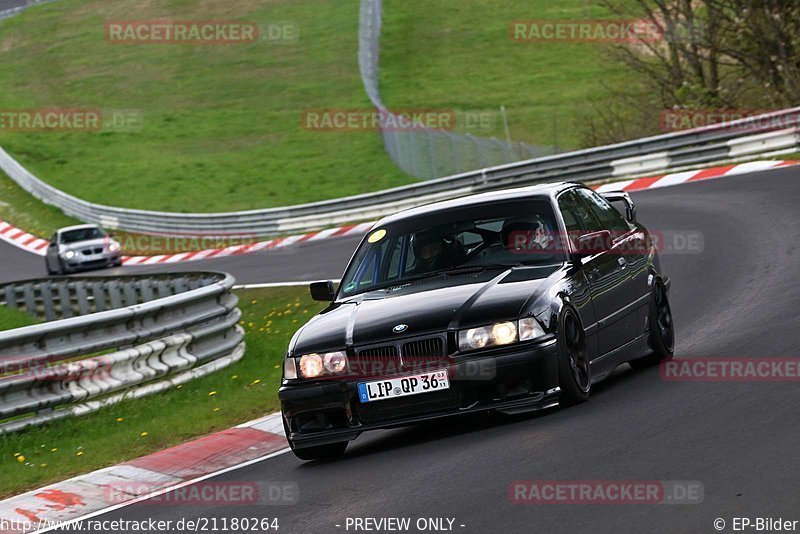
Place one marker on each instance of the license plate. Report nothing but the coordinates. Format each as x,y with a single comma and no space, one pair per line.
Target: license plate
391,388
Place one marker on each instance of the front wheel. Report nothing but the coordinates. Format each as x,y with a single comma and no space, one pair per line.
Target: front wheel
321,452
574,370
662,330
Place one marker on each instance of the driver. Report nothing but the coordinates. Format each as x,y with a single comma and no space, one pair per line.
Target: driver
431,252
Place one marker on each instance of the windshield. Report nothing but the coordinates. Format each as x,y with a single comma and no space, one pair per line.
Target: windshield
82,234
495,236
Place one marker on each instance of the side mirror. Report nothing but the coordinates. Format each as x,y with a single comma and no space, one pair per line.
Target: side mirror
594,243
322,291
622,197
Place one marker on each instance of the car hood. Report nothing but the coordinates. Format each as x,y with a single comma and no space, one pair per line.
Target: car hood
78,245
426,307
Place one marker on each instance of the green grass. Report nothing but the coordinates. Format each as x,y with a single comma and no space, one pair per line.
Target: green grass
242,392
10,319
458,54
23,210
221,124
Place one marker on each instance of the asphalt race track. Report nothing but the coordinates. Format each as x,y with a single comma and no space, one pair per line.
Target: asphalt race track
737,297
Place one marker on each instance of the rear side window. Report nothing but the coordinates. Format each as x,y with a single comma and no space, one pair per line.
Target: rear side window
577,217
607,215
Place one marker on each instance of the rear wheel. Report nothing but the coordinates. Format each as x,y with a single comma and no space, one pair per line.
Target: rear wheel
662,329
574,371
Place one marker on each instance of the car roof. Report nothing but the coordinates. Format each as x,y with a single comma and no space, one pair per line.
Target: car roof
544,191
77,227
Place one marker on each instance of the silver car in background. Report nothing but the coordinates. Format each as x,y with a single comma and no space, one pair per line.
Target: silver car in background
78,248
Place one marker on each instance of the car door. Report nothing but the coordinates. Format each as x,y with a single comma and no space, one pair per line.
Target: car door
614,275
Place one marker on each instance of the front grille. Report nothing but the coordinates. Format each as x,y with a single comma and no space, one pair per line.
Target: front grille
90,251
414,405
424,353
377,361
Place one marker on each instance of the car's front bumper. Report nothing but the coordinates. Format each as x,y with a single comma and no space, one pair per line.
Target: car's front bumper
82,262
513,379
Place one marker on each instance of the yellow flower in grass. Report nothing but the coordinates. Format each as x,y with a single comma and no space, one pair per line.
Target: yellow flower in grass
21,459
79,453
120,419
212,393
144,434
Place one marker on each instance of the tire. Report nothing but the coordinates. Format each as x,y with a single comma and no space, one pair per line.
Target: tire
662,329
321,452
55,272
574,371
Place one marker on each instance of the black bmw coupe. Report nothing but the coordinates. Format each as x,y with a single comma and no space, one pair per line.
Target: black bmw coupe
512,301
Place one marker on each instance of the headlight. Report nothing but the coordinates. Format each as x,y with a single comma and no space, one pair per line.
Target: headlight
315,365
335,362
498,334
113,247
69,254
311,366
487,336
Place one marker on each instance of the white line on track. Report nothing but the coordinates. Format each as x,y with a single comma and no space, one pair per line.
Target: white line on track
158,493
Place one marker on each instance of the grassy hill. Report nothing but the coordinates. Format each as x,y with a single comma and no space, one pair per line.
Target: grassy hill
221,125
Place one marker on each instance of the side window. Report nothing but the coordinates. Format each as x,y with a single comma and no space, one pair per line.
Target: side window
609,217
54,239
577,217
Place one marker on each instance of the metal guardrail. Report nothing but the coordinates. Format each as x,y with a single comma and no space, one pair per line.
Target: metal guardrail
109,339
9,8
641,156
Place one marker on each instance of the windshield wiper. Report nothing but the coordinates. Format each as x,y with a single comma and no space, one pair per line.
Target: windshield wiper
477,268
445,272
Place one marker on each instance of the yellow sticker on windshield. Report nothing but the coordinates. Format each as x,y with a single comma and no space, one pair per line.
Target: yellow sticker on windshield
377,235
